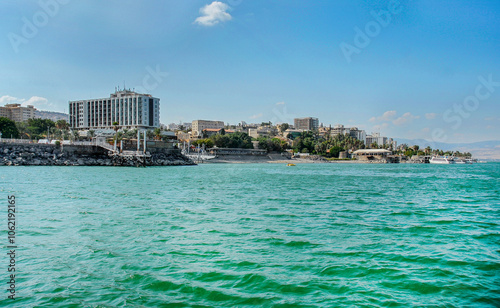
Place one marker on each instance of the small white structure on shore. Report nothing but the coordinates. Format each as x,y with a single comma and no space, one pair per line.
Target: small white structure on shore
372,154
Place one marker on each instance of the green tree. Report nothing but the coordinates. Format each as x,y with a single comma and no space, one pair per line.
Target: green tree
284,127
76,135
150,134
335,151
234,140
38,128
207,142
8,128
157,133
62,124
55,133
22,128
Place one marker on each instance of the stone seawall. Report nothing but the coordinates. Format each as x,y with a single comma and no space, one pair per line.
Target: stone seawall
81,155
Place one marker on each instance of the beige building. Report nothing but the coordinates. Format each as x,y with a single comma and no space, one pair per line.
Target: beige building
18,113
306,123
199,125
182,136
262,131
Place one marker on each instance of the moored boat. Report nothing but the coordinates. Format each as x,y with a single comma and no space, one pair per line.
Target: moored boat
443,160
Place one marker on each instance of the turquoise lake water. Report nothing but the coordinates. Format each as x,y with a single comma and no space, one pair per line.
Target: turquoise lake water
255,235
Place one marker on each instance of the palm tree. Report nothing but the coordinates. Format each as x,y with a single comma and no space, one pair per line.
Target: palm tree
150,134
157,133
131,133
75,135
55,132
22,128
62,124
91,134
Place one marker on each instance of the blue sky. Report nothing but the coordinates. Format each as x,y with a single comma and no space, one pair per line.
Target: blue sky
407,69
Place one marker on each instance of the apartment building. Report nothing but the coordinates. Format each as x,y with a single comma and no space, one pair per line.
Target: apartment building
306,123
18,113
197,126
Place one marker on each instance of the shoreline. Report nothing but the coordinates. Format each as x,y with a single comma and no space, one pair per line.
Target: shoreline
277,159
86,155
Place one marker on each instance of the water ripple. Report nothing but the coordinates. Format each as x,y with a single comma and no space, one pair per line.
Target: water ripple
258,235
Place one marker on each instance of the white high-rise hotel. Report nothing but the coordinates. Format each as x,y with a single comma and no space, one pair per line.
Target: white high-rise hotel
130,109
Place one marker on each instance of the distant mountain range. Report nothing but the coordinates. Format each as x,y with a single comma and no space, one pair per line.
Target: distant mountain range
52,115
487,150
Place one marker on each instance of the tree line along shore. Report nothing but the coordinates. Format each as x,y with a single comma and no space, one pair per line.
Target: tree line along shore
308,142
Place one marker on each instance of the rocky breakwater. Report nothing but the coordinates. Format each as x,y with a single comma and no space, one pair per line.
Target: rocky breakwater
155,159
80,155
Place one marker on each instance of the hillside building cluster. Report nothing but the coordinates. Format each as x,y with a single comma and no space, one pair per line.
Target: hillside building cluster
125,109
200,129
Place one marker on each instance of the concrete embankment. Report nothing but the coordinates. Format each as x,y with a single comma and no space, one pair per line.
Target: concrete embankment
82,155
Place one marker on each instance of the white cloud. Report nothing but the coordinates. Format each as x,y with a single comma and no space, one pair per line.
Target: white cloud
7,99
213,14
280,103
430,116
405,119
387,116
426,130
256,116
37,101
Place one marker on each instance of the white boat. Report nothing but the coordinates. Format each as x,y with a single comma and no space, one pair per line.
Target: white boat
463,160
444,160
200,155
